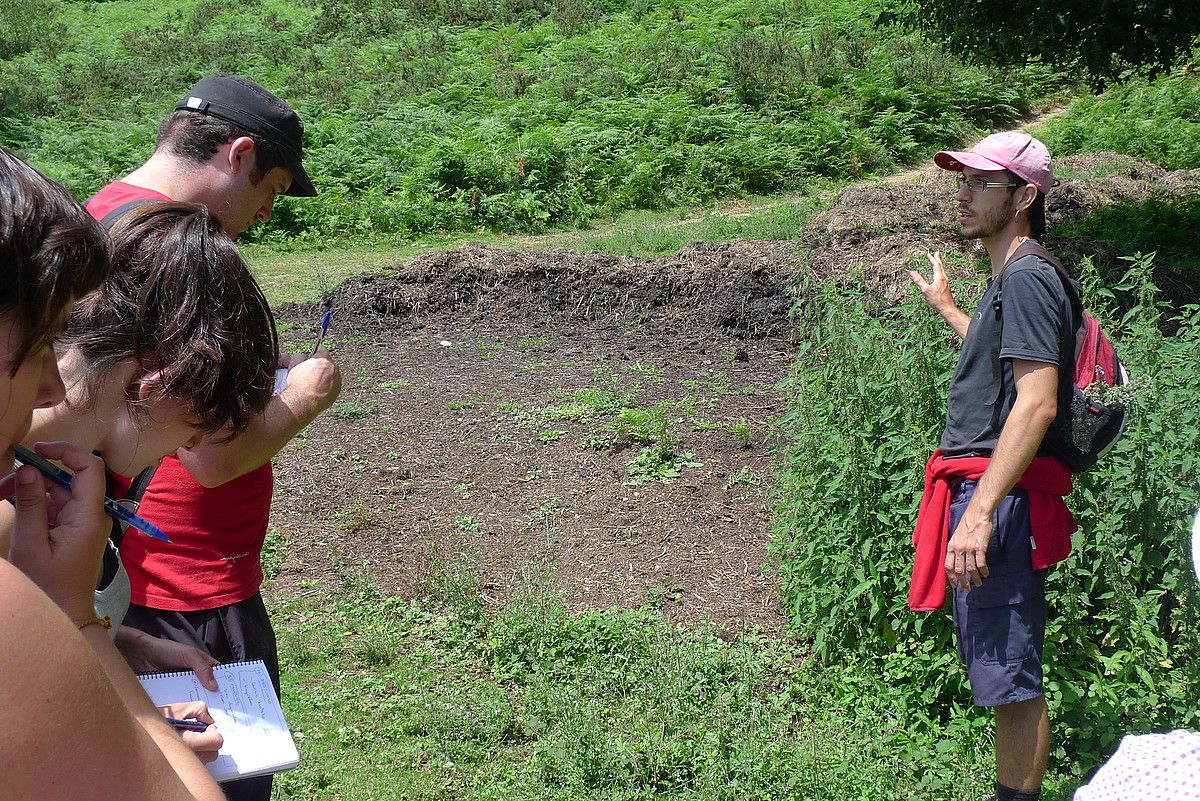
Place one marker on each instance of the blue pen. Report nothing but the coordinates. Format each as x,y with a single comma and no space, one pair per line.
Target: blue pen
63,479
324,330
187,725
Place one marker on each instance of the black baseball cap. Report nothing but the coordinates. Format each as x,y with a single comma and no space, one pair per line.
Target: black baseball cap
251,107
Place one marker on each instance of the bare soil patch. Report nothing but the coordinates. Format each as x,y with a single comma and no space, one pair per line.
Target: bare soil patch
437,451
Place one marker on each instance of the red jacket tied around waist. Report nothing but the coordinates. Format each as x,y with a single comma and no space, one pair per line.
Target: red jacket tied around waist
1047,480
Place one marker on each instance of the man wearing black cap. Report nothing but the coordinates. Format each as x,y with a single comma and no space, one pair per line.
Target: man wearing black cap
232,146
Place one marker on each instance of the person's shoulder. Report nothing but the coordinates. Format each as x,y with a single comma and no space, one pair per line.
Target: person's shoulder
116,194
1034,271
1030,262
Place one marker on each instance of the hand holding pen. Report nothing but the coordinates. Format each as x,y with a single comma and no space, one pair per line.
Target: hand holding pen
59,533
196,726
112,508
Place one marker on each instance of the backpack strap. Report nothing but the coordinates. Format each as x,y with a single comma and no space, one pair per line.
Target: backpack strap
1031,247
116,535
110,219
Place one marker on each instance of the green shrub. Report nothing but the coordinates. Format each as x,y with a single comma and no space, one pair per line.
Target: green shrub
867,405
1157,120
426,115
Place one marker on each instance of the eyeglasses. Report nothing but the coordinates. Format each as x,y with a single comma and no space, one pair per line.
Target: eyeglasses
974,185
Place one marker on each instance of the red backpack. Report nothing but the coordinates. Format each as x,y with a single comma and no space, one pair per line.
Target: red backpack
1091,423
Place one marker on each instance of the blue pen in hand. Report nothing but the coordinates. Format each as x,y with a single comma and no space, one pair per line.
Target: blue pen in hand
324,330
111,507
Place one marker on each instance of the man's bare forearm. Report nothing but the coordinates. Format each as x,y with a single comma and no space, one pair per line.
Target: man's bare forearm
1024,430
958,319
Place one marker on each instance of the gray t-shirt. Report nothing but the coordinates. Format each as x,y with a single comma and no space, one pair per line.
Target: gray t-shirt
1037,321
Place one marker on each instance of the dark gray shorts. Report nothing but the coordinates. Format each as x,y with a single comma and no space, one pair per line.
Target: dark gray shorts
1001,625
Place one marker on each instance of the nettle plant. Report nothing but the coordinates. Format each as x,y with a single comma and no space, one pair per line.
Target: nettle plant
866,407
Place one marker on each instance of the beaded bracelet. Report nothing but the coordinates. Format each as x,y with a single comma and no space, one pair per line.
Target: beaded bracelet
104,622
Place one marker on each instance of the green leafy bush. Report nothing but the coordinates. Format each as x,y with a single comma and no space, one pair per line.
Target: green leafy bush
426,115
1157,120
867,405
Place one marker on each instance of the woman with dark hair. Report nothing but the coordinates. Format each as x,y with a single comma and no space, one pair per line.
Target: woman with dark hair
177,343
76,722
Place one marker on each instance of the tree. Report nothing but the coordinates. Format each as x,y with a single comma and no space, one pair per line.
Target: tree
1102,37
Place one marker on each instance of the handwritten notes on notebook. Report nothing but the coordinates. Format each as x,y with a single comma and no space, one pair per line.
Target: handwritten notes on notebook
248,715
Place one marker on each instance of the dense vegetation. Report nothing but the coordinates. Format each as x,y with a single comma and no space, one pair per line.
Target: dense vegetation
427,115
1123,650
1105,39
1157,120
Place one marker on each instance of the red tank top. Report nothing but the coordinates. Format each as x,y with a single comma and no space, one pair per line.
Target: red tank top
216,534
216,539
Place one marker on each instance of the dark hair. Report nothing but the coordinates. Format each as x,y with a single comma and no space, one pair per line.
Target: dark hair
180,300
1037,217
1036,214
196,138
51,250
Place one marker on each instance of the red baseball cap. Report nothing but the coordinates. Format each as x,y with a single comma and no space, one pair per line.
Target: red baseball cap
1015,151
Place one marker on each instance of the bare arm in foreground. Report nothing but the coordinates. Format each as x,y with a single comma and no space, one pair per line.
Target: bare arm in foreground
77,723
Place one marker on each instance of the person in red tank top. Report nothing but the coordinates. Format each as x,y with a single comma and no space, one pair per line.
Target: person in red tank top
234,147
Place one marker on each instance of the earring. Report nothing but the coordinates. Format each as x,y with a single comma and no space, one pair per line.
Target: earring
1017,216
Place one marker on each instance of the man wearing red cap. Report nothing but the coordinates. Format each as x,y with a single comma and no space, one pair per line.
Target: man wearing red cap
234,147
992,520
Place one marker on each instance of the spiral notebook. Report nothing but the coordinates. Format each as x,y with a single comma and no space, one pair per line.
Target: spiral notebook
257,740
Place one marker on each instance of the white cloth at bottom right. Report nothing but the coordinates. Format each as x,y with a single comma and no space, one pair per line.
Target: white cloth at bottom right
1149,767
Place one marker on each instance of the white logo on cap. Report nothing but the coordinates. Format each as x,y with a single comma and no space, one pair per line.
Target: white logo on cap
194,102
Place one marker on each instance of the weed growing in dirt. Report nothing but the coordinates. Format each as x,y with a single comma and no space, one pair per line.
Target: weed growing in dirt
741,432
551,435
716,383
466,403
660,458
347,410
395,383
659,463
468,524
597,442
526,343
647,371
488,351
743,475
644,426
586,404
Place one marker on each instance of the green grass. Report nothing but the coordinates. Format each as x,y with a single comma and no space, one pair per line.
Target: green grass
1157,120
438,698
346,410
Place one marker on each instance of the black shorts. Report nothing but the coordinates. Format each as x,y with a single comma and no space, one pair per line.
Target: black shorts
1001,626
